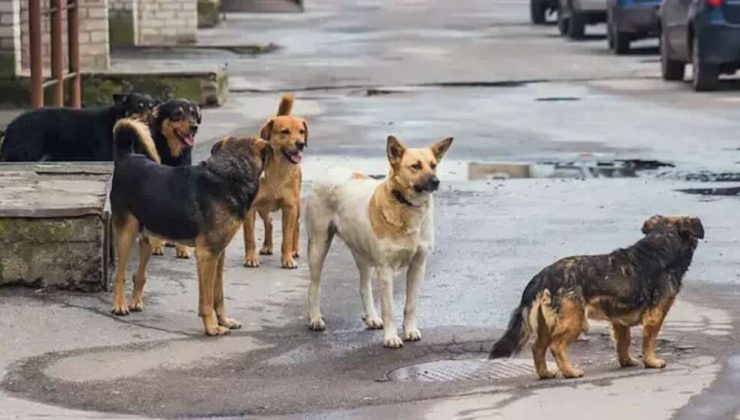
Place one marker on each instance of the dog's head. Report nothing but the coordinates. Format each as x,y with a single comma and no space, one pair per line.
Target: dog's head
134,105
288,134
414,171
688,227
178,121
258,151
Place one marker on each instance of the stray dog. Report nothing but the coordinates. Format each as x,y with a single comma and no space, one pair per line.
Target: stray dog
201,206
280,187
630,286
387,226
174,125
64,134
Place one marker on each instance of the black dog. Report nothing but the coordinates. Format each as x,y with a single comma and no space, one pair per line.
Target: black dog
201,206
630,286
63,134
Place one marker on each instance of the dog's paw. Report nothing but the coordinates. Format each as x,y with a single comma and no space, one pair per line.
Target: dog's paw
654,363
317,324
412,334
296,254
373,322
229,323
251,261
136,306
629,362
120,309
182,252
158,250
217,330
573,373
289,263
547,374
393,342
266,250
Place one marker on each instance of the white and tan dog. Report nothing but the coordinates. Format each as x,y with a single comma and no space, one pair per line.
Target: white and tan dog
388,226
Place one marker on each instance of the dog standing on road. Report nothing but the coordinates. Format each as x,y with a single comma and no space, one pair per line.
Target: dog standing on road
280,187
387,226
201,206
630,286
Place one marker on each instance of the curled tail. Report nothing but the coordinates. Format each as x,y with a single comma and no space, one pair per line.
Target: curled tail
128,132
286,104
523,322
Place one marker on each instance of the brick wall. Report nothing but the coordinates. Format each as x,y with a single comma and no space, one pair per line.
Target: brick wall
10,31
94,51
167,22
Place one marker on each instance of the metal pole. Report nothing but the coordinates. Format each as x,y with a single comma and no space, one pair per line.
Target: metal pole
57,52
37,67
73,41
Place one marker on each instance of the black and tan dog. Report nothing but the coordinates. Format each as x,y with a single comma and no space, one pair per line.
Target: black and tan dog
630,286
201,206
64,134
174,125
280,188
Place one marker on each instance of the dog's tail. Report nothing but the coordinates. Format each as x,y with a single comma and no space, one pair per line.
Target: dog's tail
524,321
286,104
128,132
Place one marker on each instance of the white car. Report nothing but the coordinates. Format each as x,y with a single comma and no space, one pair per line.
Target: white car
574,15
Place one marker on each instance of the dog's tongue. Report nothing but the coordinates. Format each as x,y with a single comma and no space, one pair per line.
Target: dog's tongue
296,157
189,139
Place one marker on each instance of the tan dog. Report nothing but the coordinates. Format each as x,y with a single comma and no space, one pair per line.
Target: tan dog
388,226
280,186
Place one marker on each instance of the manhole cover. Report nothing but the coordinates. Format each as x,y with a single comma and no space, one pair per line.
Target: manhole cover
462,370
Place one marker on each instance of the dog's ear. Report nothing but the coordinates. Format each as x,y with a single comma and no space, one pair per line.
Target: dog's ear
395,150
265,149
692,226
198,114
305,132
119,98
651,223
266,130
440,148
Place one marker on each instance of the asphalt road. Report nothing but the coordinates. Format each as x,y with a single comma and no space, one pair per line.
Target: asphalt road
509,93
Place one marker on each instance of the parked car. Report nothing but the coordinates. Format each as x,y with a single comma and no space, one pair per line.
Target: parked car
539,9
630,20
574,15
705,33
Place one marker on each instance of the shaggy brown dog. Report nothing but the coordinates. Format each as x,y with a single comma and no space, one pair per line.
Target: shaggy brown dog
630,286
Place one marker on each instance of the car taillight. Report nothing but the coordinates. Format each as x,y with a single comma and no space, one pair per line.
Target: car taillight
714,3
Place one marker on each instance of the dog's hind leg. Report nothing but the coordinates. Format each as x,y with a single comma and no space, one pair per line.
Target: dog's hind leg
652,321
414,278
207,267
290,221
267,222
250,244
566,329
145,251
218,297
541,343
622,340
390,336
297,233
370,316
319,242
126,230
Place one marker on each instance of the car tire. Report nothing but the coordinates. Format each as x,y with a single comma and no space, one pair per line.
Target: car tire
537,12
563,24
621,42
670,69
706,76
577,25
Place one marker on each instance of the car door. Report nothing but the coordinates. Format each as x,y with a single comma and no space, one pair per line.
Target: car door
675,15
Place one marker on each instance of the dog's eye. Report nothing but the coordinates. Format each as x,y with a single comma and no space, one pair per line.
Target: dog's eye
285,131
302,131
416,166
433,166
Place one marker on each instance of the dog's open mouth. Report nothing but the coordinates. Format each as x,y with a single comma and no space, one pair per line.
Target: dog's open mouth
188,139
295,157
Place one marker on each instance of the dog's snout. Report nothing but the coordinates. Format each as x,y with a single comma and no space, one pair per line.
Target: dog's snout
194,128
434,183
300,145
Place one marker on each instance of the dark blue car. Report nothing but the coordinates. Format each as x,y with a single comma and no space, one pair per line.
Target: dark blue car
705,33
630,20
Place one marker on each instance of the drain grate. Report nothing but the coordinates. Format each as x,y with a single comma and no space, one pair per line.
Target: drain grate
463,370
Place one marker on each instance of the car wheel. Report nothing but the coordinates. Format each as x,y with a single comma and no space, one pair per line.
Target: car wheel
621,42
537,11
705,75
671,70
563,24
577,25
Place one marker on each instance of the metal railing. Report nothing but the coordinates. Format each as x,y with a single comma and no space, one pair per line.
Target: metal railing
58,75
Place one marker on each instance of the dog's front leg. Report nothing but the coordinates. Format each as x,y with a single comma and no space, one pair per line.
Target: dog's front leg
250,244
290,220
207,267
218,297
414,278
390,336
